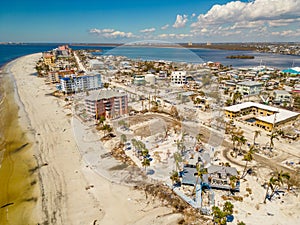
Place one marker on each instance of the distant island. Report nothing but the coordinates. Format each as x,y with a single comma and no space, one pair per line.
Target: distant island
240,57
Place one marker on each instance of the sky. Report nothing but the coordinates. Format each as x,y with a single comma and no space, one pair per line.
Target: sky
176,21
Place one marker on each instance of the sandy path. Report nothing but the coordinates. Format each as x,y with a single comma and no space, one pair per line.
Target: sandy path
63,175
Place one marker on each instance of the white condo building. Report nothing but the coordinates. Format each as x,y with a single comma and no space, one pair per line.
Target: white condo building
71,84
178,78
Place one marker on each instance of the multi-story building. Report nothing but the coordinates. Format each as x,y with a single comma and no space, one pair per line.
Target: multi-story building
95,64
49,58
139,80
249,87
55,76
282,97
263,116
178,78
106,103
72,83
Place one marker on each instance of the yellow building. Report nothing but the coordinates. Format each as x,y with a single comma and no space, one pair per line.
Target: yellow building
49,59
263,116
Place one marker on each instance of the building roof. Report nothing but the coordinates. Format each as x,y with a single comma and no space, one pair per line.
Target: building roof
178,73
188,176
294,70
249,83
281,114
245,105
228,170
103,94
281,92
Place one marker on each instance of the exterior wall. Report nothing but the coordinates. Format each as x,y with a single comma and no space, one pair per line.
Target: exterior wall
264,125
53,77
178,78
263,112
249,90
110,108
231,115
281,98
78,84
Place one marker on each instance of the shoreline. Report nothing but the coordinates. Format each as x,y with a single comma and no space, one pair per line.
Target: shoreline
70,190
17,160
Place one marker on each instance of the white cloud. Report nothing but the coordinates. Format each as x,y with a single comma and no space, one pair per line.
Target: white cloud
283,22
180,21
148,30
237,11
288,33
165,27
174,36
111,33
246,17
193,15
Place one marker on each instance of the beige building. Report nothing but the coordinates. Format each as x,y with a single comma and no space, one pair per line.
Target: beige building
263,116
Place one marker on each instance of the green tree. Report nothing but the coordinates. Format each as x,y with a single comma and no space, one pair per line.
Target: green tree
241,223
175,177
123,138
101,120
199,137
106,128
228,102
233,180
273,135
145,163
236,96
275,182
177,158
200,171
248,157
106,85
219,216
228,208
197,101
241,141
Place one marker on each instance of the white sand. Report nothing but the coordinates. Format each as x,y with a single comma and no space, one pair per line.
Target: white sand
72,167
62,196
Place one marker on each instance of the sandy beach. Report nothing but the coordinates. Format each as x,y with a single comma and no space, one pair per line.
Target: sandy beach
69,190
75,181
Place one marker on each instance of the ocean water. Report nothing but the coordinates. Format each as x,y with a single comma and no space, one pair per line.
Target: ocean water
176,54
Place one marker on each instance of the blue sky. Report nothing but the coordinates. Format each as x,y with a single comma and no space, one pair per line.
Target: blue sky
118,21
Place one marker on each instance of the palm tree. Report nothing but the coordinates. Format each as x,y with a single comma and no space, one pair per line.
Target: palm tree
277,179
236,96
101,120
241,141
197,101
200,172
177,159
219,216
106,127
241,223
273,135
256,134
174,177
228,208
248,157
123,138
145,163
180,145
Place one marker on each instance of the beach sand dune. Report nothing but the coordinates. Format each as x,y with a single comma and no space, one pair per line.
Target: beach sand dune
71,192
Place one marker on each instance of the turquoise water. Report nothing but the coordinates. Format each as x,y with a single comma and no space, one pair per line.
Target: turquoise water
10,52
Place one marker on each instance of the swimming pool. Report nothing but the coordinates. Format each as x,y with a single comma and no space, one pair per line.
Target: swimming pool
251,120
